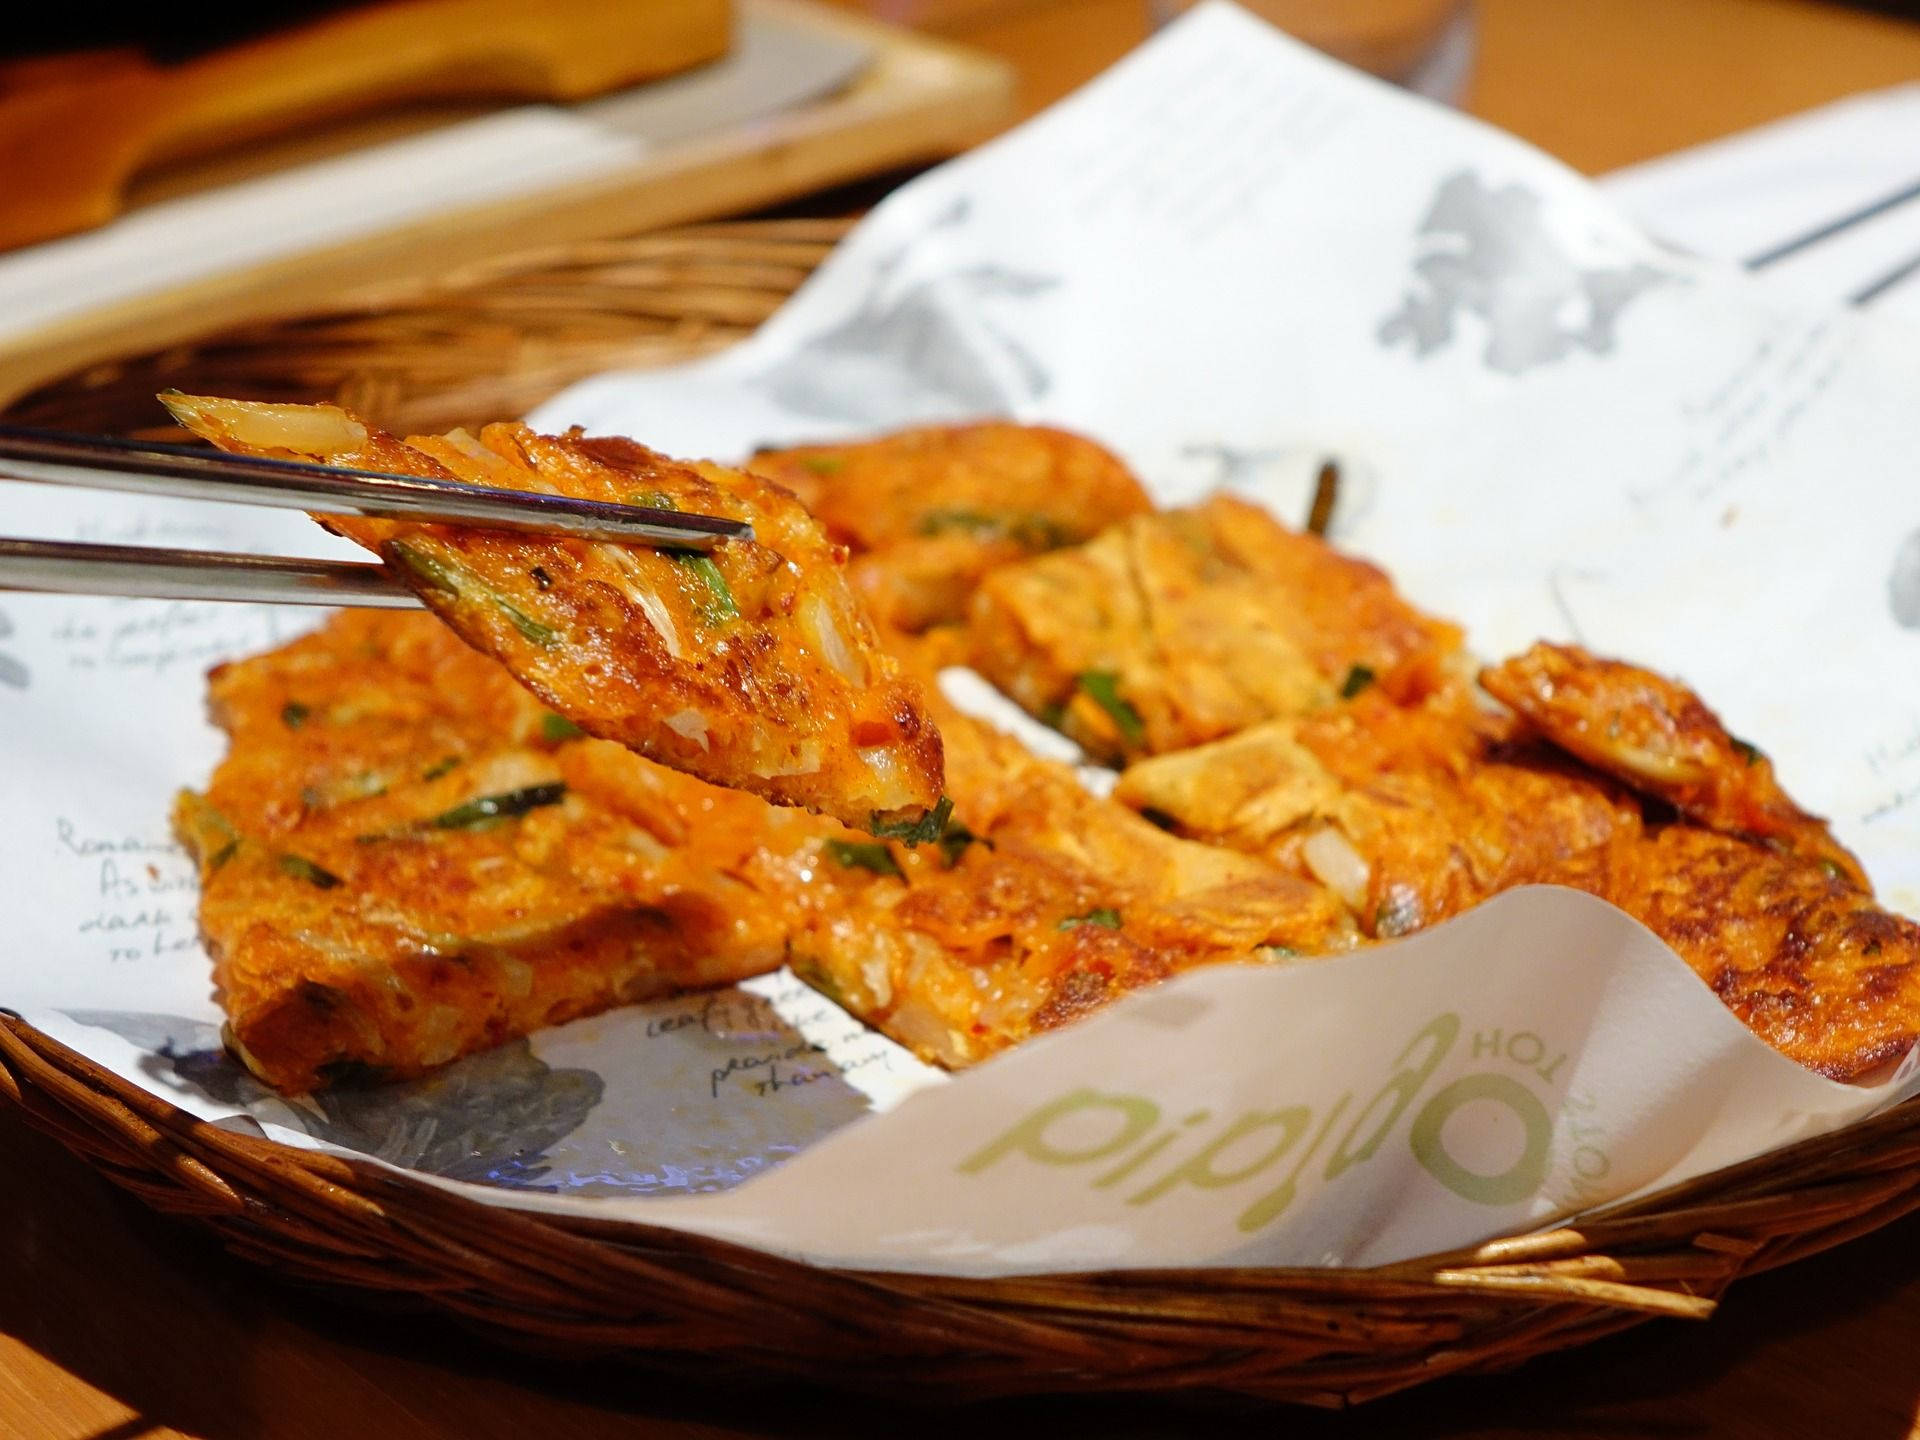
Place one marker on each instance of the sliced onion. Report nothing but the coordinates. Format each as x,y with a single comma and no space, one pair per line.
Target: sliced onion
919,1027
1337,865
824,631
1654,766
894,787
322,430
805,760
691,724
641,843
655,609
651,605
516,976
469,446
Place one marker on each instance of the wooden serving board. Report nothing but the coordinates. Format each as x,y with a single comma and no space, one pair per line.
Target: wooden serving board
918,99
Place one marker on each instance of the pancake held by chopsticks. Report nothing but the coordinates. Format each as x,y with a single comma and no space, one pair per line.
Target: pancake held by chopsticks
750,666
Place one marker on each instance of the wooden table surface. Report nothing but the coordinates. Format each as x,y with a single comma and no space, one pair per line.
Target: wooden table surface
116,1324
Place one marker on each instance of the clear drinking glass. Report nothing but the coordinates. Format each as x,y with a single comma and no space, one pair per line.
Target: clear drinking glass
1424,45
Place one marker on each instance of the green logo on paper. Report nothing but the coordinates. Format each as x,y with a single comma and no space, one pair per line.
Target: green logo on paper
1265,1156
1507,1187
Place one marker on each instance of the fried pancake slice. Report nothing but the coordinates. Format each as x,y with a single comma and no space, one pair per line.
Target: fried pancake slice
1409,813
1790,944
1174,629
751,666
928,512
1659,737
1750,890
1045,903
1414,813
405,858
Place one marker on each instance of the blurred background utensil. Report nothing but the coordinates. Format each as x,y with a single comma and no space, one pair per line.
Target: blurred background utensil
806,96
70,143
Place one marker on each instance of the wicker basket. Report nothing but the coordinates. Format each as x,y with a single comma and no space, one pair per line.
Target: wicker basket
493,342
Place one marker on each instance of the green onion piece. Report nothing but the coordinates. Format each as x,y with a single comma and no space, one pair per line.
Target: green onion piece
439,768
301,868
528,626
823,464
1106,917
500,807
293,714
719,604
556,728
938,826
458,582
209,826
435,572
874,856
931,825
1358,679
954,843
811,972
1103,688
1747,751
1026,529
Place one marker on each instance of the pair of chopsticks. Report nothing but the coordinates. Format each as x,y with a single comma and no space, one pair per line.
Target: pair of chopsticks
101,463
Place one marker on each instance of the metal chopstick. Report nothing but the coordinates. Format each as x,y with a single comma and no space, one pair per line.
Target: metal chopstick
104,463
67,568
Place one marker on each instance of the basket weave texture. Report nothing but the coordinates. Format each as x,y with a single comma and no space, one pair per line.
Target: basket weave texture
492,342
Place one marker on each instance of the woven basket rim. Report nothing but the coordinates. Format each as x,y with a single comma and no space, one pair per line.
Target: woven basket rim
1468,1310
662,1296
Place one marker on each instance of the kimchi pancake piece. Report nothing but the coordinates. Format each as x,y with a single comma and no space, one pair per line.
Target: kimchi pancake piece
750,665
405,858
1410,813
928,512
1809,961
1659,737
1173,629
1042,903
1415,813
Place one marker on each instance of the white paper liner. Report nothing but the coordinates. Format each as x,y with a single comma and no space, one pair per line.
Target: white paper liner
1229,259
